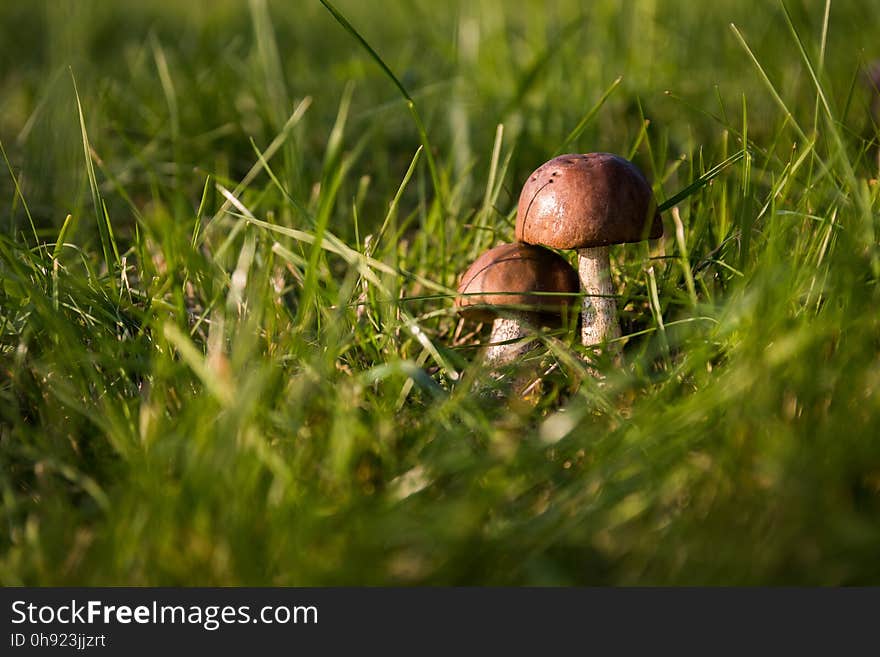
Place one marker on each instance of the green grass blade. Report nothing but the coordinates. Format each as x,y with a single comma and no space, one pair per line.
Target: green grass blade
585,120
24,203
767,82
105,230
701,181
439,187
343,21
193,357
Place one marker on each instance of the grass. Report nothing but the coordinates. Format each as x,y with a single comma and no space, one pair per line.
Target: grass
230,238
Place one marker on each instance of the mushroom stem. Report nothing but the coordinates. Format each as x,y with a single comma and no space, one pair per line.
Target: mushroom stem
599,321
514,326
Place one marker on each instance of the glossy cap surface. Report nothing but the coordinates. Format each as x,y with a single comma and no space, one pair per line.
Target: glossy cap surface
581,201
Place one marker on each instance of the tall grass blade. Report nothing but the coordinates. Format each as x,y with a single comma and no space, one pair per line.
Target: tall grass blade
703,180
105,229
585,120
439,187
18,192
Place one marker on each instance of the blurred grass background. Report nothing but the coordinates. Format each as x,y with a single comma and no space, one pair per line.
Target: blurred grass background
238,363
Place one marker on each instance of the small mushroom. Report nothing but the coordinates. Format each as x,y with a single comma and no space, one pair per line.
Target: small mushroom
517,287
587,202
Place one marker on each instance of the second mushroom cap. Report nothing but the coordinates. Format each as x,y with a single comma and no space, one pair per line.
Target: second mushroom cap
517,277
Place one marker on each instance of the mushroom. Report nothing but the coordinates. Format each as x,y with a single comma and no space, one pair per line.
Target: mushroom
517,287
587,202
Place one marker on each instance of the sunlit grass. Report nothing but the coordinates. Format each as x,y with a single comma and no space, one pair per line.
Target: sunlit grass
229,245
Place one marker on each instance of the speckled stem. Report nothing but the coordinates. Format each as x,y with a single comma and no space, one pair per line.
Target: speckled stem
599,312
514,326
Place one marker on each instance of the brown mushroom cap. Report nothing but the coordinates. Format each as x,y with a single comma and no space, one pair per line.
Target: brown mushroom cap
581,201
508,276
